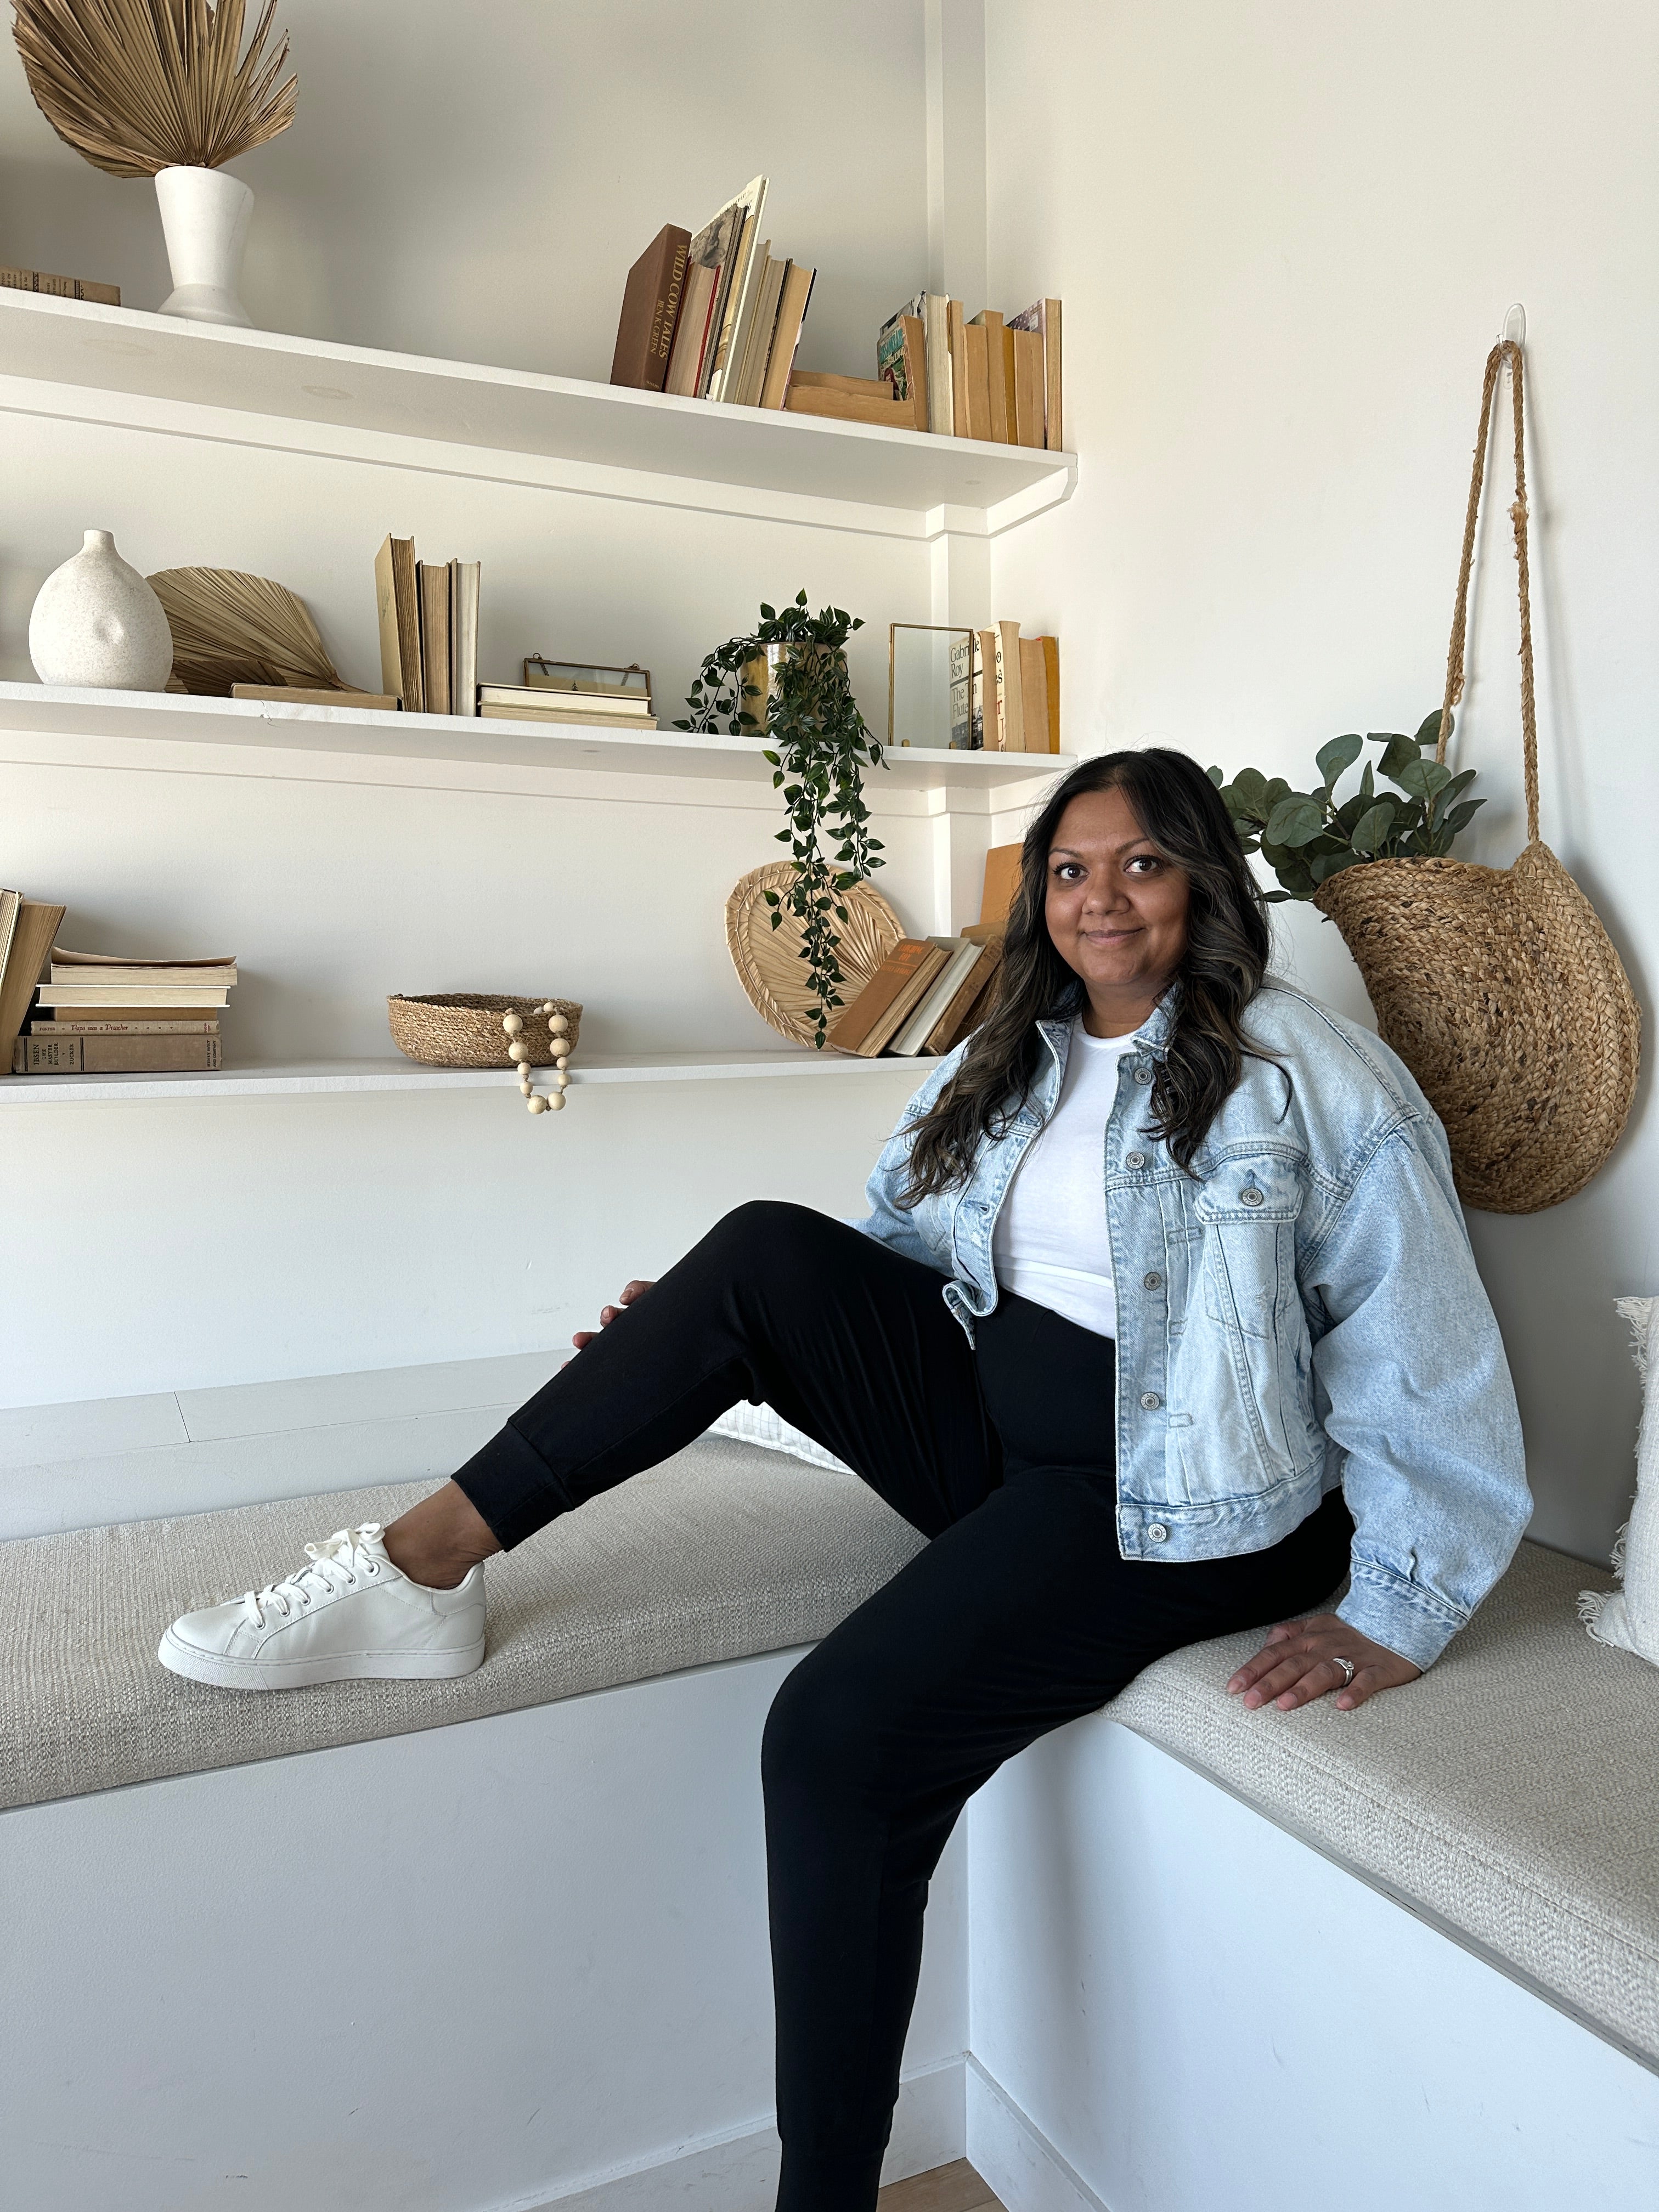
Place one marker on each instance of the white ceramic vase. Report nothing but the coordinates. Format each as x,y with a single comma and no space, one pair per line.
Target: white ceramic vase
204,217
97,624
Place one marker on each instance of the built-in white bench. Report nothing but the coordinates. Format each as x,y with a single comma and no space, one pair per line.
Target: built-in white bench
522,1962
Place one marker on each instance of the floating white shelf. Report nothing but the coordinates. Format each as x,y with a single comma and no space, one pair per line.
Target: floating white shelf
321,1079
356,398
252,724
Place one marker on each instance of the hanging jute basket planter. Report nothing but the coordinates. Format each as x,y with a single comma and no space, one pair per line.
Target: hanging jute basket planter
1498,987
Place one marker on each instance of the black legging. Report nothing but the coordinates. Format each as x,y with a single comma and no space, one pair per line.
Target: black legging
1018,1615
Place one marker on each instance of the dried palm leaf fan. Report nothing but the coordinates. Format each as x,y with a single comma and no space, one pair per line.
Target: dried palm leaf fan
232,628
1498,987
137,86
767,953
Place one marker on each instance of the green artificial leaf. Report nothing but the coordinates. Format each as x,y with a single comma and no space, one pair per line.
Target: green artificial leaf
1250,789
1459,817
1374,826
1215,776
1351,811
1277,899
1251,845
1399,751
1296,820
1278,856
1332,863
1340,753
1297,880
1423,778
1276,789
1367,785
1428,730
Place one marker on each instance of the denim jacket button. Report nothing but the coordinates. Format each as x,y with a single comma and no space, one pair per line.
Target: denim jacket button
1151,1401
1143,1075
1153,1281
1134,1159
1251,1197
1157,1534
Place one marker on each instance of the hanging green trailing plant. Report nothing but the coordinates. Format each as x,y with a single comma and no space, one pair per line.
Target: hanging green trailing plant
789,680
1308,836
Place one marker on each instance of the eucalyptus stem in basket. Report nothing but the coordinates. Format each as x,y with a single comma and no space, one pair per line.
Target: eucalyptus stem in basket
1308,836
788,679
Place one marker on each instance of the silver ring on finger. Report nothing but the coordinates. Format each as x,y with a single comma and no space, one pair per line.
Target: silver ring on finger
1347,1666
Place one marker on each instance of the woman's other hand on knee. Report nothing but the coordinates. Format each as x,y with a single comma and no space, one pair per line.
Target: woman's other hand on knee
608,1314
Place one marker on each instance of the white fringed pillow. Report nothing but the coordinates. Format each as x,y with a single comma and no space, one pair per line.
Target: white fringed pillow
759,1424
1629,1616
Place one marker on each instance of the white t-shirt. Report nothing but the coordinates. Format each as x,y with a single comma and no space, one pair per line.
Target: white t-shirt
1050,1243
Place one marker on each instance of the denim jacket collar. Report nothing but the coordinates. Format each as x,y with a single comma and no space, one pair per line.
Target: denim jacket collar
1153,1033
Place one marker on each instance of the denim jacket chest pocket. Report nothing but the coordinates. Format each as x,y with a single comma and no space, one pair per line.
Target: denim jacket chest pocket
1247,1211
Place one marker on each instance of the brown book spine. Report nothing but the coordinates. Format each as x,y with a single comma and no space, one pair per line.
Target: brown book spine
1028,387
113,1055
977,353
650,308
1053,410
957,330
854,1024
433,578
915,367
398,604
1034,693
1051,661
188,1028
1000,409
991,718
1001,881
791,313
957,1018
1010,693
892,1019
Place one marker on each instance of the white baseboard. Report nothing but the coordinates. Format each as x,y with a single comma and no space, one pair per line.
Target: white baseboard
1013,2156
737,2171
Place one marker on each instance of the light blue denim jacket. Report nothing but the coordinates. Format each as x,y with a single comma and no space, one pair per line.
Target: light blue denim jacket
1302,1313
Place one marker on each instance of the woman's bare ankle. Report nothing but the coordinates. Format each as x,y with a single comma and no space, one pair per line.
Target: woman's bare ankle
438,1542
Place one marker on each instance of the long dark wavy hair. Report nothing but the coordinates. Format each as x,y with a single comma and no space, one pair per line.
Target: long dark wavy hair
1228,939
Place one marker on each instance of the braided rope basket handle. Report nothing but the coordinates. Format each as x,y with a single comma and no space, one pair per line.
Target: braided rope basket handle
1506,349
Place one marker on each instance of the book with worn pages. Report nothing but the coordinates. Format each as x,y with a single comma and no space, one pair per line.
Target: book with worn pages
960,958
27,929
35,1054
59,288
889,999
650,309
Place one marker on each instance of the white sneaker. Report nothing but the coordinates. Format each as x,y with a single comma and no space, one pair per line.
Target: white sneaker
348,1614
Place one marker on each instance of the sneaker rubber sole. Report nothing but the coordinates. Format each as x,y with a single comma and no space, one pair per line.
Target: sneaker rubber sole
232,1673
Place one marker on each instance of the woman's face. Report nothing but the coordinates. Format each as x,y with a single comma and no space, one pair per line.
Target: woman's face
1116,909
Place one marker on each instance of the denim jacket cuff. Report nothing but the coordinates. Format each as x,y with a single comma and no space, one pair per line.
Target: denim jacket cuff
1400,1614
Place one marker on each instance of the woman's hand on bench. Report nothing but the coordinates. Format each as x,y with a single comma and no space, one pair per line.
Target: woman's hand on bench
608,1314
1299,1662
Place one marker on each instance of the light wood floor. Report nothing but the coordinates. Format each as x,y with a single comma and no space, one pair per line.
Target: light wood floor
954,2188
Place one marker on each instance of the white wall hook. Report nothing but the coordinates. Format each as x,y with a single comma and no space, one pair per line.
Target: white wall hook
1515,326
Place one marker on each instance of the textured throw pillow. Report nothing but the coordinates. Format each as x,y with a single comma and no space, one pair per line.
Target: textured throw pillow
759,1424
1629,1616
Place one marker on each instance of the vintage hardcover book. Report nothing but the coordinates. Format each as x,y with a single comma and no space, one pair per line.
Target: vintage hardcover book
1034,693
305,694
976,352
791,313
915,370
141,1018
853,1024
691,329
464,582
990,709
956,331
959,957
30,932
112,1055
999,412
115,1001
932,310
1010,693
103,968
1044,318
433,578
967,1008
208,1025
964,736
651,303
1028,387
763,328
1051,661
732,294
59,288
595,706
397,601
893,1016
1001,881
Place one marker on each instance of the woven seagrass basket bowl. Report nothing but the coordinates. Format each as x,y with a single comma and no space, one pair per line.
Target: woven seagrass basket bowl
463,1029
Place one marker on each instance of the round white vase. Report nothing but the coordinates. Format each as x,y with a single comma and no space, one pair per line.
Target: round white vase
97,624
204,218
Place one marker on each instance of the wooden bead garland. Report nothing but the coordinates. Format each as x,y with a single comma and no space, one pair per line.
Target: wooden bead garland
519,1052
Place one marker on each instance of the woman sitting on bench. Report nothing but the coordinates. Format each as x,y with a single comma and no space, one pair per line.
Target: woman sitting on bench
1163,1320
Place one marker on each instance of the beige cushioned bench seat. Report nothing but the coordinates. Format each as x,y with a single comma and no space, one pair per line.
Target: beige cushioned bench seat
1512,1794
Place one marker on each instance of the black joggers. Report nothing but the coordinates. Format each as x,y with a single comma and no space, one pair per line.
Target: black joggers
1019,1614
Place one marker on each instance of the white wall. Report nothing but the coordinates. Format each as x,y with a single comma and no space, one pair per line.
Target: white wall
1285,236
475,184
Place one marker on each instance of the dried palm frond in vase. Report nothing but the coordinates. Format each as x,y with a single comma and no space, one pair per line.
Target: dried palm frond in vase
140,85
232,628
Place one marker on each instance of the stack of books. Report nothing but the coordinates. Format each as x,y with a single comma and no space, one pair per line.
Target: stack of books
574,691
1013,704
428,616
997,377
713,315
923,1000
59,288
102,1014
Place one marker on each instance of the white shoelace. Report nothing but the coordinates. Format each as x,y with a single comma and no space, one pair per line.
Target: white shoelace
332,1565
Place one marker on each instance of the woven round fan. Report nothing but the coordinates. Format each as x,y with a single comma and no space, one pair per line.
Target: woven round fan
232,628
768,963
